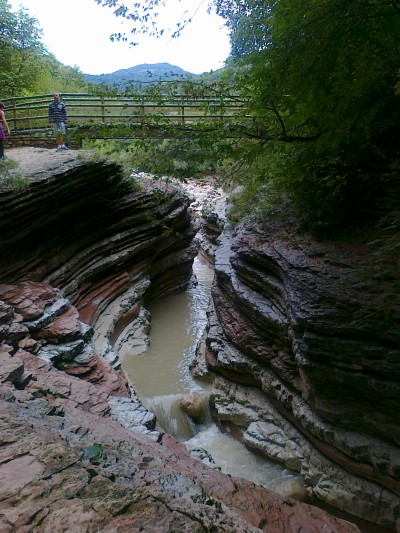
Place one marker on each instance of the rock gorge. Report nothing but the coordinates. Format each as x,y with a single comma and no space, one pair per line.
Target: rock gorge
310,380
304,367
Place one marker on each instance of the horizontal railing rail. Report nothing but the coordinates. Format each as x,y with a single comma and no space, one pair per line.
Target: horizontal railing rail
30,112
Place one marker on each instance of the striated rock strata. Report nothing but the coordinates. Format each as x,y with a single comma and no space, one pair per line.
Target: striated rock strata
65,465
82,228
304,367
80,250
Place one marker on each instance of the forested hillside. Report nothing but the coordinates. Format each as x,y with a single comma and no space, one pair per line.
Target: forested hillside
29,68
140,74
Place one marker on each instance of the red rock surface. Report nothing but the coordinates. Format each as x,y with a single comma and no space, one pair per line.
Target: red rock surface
28,299
77,469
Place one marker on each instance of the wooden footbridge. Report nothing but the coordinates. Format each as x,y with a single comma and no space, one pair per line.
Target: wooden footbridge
138,116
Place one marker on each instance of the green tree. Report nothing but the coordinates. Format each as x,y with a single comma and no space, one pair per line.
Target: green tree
26,66
55,76
320,78
144,18
21,51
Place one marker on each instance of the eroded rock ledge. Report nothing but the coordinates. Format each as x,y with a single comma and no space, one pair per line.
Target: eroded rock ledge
68,463
80,248
81,228
304,367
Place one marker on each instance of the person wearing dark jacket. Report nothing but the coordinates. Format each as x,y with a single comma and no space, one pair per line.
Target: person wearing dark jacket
58,120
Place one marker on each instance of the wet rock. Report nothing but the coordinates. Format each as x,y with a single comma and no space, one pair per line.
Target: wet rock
294,489
65,327
22,381
203,456
29,344
193,405
60,354
198,366
134,338
29,299
66,460
284,326
6,318
209,209
11,368
279,448
57,324
133,415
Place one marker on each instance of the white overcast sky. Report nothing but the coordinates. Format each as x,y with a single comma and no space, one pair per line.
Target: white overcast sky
77,32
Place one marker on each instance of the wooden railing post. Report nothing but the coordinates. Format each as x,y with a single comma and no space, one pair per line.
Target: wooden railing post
181,110
103,117
141,113
15,115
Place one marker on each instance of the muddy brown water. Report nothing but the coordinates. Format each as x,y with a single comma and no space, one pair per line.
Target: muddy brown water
161,375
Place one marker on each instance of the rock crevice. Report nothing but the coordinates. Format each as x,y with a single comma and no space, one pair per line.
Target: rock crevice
80,250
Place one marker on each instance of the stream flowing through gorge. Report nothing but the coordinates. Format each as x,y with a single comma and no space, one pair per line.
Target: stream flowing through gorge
160,375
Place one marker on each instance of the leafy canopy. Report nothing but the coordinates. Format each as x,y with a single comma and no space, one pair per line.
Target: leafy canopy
326,69
143,17
321,80
26,66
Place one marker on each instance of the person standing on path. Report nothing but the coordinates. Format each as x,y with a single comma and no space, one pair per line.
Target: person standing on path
58,120
5,124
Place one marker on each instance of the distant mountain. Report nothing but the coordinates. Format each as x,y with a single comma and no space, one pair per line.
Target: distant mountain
147,73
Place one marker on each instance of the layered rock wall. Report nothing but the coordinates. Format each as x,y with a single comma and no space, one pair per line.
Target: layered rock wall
102,241
306,368
80,227
79,249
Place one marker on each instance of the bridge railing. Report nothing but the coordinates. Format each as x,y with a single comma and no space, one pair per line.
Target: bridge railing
31,112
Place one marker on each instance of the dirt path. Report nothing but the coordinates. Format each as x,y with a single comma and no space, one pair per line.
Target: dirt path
37,163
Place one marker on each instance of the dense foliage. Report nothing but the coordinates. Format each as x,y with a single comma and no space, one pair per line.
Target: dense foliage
26,66
321,78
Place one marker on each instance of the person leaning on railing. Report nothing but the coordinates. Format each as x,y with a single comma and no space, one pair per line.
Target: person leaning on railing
2,136
58,120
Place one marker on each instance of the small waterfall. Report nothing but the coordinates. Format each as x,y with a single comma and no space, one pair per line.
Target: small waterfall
161,376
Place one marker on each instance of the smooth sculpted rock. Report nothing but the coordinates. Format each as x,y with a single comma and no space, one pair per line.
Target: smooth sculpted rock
292,329
193,405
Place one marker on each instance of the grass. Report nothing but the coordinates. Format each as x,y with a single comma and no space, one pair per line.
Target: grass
11,180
